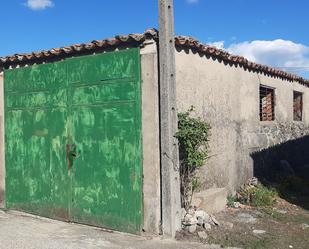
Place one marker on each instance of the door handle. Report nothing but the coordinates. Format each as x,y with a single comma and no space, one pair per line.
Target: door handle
73,151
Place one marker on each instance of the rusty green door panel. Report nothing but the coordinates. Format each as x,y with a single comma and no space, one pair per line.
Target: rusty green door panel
73,140
106,131
35,134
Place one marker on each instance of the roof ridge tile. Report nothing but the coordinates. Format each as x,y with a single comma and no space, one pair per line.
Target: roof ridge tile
180,41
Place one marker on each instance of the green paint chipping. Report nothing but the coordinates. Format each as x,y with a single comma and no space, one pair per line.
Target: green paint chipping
85,112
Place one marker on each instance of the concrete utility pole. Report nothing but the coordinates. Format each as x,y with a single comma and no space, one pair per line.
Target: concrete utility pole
170,179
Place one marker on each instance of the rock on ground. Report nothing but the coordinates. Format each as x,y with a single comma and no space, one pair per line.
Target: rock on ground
259,231
207,226
245,218
305,226
202,235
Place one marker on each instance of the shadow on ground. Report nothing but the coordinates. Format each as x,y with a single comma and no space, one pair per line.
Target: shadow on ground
285,167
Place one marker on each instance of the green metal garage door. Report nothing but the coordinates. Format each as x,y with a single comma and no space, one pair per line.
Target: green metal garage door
73,140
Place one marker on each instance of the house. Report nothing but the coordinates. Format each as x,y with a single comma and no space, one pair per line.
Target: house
80,126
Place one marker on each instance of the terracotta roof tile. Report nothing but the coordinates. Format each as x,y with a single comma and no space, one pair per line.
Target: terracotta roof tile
182,42
77,48
191,43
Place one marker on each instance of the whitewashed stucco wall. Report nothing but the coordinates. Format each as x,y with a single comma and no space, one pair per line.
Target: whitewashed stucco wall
227,97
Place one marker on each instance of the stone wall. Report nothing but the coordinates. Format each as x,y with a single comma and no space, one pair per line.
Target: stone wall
285,147
281,132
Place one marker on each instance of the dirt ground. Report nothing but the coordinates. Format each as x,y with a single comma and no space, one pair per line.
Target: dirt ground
283,226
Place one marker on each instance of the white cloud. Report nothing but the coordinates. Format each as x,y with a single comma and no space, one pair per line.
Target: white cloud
218,44
39,4
290,56
192,1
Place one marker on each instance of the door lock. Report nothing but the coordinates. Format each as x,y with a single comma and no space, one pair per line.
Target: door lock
71,154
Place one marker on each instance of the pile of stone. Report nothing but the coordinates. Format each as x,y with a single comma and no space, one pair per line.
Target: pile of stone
253,182
192,219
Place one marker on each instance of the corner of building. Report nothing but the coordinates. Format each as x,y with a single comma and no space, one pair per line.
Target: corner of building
151,138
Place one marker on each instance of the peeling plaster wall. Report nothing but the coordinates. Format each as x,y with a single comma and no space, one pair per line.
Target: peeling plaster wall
228,98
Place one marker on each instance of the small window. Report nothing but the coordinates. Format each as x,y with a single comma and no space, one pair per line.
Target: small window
267,103
298,106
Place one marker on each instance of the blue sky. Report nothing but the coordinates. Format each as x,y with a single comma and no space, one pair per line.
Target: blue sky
267,31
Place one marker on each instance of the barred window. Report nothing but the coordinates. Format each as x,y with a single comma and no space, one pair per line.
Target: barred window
267,103
297,106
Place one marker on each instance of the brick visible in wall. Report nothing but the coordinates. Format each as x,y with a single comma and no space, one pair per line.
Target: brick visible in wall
267,104
297,106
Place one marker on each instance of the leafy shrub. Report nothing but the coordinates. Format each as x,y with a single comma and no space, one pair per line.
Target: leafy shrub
259,196
230,200
263,196
192,135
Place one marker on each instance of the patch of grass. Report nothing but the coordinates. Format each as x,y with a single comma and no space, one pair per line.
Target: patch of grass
300,219
258,196
246,241
263,196
261,243
295,219
230,200
273,213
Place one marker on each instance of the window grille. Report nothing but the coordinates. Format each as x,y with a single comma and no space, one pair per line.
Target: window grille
267,104
297,106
